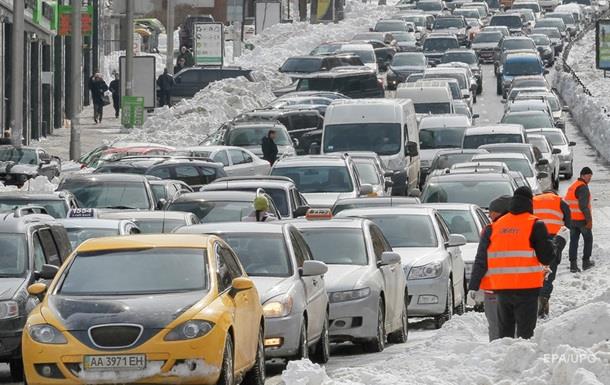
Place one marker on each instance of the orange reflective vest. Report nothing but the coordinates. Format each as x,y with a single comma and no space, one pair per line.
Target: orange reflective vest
511,260
572,201
547,207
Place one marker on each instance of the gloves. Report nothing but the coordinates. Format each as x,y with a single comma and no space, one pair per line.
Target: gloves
474,297
589,225
564,233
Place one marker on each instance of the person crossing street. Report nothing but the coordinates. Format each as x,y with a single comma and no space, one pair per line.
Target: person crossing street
578,198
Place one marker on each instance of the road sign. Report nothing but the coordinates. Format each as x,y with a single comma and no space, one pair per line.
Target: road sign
602,44
132,111
208,44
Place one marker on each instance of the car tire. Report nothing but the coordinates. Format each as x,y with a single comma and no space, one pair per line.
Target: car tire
401,335
322,351
256,375
569,175
439,320
555,182
303,350
227,373
480,88
16,367
461,307
377,344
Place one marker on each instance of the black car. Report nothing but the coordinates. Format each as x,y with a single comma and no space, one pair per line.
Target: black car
32,247
57,204
191,171
17,165
403,65
308,64
545,48
351,82
435,45
467,56
512,21
191,80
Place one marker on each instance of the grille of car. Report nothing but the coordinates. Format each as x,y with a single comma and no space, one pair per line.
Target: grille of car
115,336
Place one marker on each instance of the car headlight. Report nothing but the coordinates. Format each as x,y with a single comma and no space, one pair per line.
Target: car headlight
349,295
46,334
428,271
9,309
278,307
189,330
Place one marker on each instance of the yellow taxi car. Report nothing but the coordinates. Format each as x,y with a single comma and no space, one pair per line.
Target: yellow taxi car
147,309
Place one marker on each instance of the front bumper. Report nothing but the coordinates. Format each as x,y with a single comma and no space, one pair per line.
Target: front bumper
427,297
196,361
10,344
486,55
354,320
288,331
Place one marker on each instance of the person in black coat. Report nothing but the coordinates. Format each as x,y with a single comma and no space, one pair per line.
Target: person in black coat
269,147
98,88
115,88
165,81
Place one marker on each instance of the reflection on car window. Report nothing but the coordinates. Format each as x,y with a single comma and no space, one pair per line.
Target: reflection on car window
314,179
14,255
477,192
337,246
461,222
407,230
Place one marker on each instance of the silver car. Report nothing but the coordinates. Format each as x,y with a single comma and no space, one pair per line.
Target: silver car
538,181
559,141
289,282
431,258
236,160
154,222
372,171
365,284
81,229
550,156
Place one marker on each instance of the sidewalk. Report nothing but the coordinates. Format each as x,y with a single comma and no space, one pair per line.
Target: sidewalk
91,135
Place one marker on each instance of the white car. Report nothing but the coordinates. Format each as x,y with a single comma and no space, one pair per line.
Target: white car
538,181
237,161
559,141
431,258
365,284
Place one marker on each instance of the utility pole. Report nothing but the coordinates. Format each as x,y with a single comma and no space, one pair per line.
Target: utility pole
129,49
17,73
76,57
169,28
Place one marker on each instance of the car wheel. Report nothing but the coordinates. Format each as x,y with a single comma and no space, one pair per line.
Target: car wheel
461,307
303,351
439,320
322,352
555,182
256,375
400,336
16,367
227,375
569,175
378,343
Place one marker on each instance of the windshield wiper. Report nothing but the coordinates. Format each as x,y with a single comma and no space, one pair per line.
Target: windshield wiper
120,207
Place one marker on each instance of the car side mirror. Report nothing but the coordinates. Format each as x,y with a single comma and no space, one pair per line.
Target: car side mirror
366,189
415,193
241,284
161,203
556,151
313,268
300,211
411,149
542,175
47,272
389,258
456,240
572,144
542,162
37,289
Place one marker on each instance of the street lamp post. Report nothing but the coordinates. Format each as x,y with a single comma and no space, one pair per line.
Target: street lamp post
76,57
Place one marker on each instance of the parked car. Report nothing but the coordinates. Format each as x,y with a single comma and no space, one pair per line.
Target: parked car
349,81
191,80
56,204
18,165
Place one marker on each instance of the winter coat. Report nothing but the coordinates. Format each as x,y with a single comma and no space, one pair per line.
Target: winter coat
165,82
98,87
115,88
269,150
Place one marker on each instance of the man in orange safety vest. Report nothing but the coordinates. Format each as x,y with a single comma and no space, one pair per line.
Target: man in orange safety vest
579,199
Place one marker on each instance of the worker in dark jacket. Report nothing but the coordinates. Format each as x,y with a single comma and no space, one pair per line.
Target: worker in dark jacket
511,261
115,88
165,81
269,147
579,199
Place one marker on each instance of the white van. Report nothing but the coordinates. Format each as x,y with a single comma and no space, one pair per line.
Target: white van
429,99
387,127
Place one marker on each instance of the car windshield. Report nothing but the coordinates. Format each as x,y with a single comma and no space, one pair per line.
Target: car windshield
541,120
159,192
429,6
567,18
159,226
301,65
262,255
488,37
136,272
78,235
461,222
540,143
403,36
326,49
550,32
522,67
337,246
474,141
460,77
368,173
555,138
389,26
13,255
541,39
441,137
367,56
462,57
447,160
95,194
409,60
440,44
533,6
508,21
557,23
523,150
407,230
476,191
253,136
18,155
433,108
318,179
121,169
467,13
382,138
55,208
216,211
521,165
517,44
449,22
420,21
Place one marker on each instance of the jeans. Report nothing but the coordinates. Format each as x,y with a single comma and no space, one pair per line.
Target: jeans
491,313
518,310
164,98
116,103
587,236
547,287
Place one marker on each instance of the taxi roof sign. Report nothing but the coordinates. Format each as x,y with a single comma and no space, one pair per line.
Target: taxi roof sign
319,214
82,213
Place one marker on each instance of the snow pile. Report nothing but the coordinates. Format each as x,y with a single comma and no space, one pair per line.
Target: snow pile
40,184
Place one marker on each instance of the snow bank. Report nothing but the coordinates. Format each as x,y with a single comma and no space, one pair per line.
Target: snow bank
38,184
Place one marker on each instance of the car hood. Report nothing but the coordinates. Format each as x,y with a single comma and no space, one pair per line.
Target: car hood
417,256
17,168
469,251
457,31
427,155
155,311
346,277
476,46
269,287
326,200
9,286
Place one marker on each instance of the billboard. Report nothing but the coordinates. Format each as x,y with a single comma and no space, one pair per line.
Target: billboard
144,82
326,10
602,44
208,44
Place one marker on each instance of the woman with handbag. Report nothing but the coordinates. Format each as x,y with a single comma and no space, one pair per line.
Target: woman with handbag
100,99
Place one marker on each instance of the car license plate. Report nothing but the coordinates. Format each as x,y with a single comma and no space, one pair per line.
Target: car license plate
115,362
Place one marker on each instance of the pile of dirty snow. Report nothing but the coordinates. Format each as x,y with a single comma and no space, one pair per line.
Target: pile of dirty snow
39,184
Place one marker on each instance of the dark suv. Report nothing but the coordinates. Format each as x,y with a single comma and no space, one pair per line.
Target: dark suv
17,165
32,247
191,80
309,64
353,83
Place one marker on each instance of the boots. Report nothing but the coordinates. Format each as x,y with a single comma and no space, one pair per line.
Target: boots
543,307
587,264
574,267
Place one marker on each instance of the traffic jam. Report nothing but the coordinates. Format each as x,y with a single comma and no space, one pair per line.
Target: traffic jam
347,208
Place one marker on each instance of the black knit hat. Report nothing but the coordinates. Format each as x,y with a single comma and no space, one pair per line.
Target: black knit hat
500,205
586,171
524,192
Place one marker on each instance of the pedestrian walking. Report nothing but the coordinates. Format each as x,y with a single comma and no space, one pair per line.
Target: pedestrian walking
578,198
6,138
165,81
180,65
516,248
555,213
115,88
269,147
497,208
187,55
98,88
